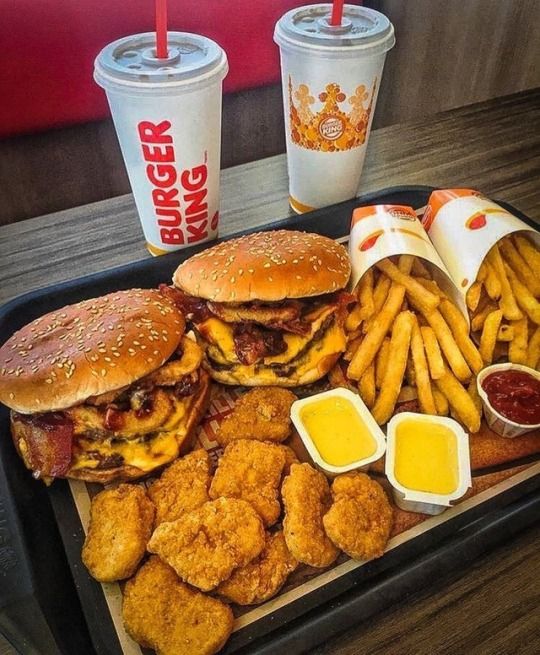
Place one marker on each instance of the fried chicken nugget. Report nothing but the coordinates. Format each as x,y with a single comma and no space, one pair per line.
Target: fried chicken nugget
360,518
290,458
263,414
120,526
262,578
163,613
251,470
183,486
205,545
306,496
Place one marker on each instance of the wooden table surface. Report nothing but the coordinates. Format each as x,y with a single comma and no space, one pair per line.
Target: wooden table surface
492,607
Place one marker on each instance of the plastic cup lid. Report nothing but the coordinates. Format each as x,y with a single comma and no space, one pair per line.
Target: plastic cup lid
361,29
132,60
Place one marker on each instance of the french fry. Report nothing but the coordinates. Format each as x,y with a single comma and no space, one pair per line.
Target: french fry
433,352
355,318
420,270
524,297
441,403
488,337
459,400
505,333
421,371
449,346
528,251
381,362
492,283
460,331
421,296
533,352
477,320
407,394
380,294
432,286
517,348
410,376
366,386
393,377
473,295
482,272
472,390
352,347
507,301
379,328
405,263
337,378
519,266
365,294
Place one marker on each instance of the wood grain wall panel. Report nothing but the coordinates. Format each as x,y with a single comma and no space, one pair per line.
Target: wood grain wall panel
449,53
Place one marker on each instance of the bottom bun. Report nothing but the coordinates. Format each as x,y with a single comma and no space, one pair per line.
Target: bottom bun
183,435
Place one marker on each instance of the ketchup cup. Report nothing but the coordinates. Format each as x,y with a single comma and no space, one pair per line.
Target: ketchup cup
495,420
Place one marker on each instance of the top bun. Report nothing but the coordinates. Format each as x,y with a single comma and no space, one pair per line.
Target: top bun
83,350
266,266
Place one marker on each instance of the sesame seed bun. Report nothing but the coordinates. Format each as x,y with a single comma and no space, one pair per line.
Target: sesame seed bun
266,266
87,349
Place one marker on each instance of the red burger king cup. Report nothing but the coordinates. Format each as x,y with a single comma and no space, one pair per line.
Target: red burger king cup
167,115
464,225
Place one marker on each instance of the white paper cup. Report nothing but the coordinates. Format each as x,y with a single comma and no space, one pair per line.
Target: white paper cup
331,77
496,421
167,115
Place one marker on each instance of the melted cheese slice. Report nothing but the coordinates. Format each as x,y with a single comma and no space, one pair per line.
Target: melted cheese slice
145,454
220,336
305,369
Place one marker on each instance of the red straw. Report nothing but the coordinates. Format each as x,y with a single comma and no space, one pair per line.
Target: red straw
162,51
337,12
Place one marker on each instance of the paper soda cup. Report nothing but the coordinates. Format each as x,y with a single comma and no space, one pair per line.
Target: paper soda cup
331,77
167,115
381,231
464,225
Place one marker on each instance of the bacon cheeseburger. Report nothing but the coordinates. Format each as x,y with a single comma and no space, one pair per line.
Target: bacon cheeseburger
268,307
106,389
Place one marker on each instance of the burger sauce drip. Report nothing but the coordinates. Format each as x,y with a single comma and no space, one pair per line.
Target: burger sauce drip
515,395
252,343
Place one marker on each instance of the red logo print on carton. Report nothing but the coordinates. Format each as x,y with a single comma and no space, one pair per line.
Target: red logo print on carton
179,198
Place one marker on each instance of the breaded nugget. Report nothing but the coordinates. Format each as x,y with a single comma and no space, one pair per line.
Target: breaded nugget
163,613
263,414
205,545
262,578
360,518
251,470
290,458
183,486
121,523
306,497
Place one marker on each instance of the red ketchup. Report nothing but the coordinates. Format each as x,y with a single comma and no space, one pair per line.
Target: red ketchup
515,395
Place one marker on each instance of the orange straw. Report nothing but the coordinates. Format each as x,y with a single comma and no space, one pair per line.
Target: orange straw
162,51
337,12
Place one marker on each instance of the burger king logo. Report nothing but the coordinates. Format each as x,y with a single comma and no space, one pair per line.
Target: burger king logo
331,128
370,241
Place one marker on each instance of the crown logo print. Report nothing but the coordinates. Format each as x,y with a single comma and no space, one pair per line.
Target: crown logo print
331,129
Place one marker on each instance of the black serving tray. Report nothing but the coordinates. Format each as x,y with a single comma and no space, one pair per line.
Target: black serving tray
48,602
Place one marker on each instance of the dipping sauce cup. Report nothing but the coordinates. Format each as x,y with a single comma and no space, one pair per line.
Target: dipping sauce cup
427,461
338,431
508,398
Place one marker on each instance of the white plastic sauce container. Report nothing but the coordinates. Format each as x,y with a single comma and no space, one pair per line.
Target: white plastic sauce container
424,502
364,415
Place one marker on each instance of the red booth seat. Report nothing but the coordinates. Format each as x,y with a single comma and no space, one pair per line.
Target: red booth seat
49,46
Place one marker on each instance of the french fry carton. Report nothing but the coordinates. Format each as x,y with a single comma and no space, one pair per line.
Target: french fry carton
381,231
463,226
